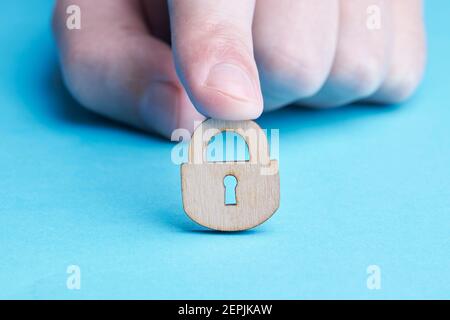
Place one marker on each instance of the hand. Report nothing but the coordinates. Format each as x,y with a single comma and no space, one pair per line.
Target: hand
226,55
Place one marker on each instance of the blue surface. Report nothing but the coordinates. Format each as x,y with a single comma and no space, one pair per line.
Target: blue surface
360,186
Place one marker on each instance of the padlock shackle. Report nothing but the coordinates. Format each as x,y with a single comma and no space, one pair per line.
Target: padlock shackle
252,134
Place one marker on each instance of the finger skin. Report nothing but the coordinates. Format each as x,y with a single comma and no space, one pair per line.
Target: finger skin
408,53
362,55
294,43
213,51
113,66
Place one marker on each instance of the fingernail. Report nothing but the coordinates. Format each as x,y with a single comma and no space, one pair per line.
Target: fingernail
232,81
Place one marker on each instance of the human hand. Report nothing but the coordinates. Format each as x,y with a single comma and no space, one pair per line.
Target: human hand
226,55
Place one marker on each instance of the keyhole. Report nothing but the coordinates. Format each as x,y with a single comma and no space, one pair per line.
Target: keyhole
230,183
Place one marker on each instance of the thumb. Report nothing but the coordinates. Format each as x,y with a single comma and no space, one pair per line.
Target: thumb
212,44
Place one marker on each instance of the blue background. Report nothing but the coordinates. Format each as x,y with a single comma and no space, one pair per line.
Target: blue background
361,185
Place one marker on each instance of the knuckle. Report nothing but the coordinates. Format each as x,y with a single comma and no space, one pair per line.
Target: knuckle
402,90
401,83
217,40
80,64
226,47
300,73
80,56
399,91
358,76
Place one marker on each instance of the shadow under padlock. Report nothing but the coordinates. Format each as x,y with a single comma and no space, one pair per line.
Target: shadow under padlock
257,189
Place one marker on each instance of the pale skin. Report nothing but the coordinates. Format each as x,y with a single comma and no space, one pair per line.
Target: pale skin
160,65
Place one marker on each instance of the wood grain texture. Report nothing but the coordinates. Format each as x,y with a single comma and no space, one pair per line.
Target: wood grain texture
257,192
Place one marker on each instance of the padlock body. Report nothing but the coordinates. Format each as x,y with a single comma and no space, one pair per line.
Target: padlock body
257,194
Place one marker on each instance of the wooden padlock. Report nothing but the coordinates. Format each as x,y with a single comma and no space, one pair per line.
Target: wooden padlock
202,182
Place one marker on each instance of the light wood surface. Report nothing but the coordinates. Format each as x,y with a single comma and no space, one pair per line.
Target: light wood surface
203,190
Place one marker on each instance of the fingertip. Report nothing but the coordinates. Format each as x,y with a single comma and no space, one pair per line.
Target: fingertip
230,93
217,105
227,91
